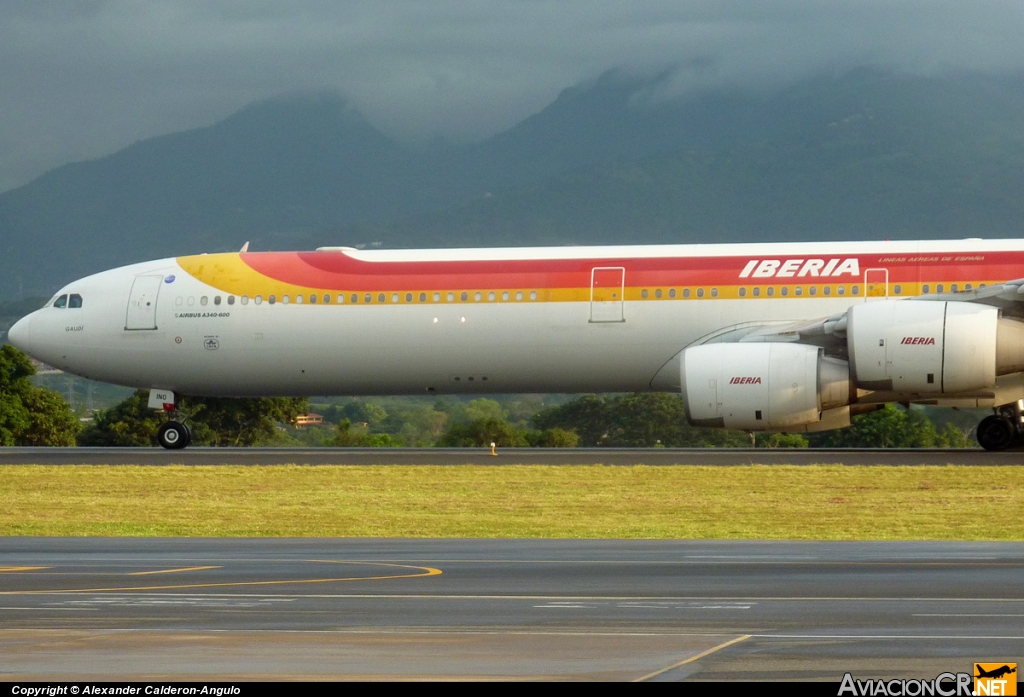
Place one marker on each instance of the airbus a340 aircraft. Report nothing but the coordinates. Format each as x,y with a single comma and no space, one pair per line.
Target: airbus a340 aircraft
759,337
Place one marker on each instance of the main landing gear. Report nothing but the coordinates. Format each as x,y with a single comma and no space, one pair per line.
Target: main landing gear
174,435
1004,429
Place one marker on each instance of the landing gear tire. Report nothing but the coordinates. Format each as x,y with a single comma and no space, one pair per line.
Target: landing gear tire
996,433
174,435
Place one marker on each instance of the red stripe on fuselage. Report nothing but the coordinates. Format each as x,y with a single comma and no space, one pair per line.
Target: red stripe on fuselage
337,270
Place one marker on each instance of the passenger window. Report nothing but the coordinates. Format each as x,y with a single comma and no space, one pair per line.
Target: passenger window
423,297
700,292
897,289
368,297
464,296
686,292
757,292
657,293
245,299
339,298
841,290
671,292
231,300
743,292
643,293
953,288
285,299
408,297
298,299
785,291
258,300
854,290
354,298
798,291
505,295
519,295
179,300
827,290
714,292
381,297
938,288
204,300
437,297
312,299
967,286
478,296
924,289
771,292
74,301
61,302
216,300
491,296
272,299
813,290
327,298
533,295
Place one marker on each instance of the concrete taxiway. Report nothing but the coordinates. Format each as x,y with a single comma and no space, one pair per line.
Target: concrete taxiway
505,456
513,609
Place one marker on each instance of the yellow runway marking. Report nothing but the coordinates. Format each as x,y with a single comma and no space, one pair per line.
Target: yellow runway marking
691,659
9,569
174,571
424,571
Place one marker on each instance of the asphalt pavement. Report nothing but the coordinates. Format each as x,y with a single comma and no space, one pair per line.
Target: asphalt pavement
86,608
504,456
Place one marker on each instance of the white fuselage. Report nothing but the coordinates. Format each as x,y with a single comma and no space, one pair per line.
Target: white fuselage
199,344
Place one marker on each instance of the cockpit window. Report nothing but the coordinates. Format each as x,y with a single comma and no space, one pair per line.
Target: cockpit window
62,301
74,300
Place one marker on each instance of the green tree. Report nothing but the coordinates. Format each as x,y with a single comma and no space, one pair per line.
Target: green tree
641,420
485,409
227,421
31,415
889,427
219,421
952,437
131,423
481,433
349,437
781,440
553,438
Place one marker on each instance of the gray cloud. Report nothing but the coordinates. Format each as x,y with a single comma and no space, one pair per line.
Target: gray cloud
81,79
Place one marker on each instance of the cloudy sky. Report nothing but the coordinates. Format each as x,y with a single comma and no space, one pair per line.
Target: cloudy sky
83,78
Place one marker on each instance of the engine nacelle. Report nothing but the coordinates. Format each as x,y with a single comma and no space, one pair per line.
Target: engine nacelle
764,386
930,347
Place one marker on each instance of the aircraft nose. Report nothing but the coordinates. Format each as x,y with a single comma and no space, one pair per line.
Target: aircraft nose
20,335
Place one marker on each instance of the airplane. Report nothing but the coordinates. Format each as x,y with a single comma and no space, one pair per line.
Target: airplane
793,337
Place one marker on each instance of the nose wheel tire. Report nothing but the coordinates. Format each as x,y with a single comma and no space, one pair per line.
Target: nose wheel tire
996,433
174,435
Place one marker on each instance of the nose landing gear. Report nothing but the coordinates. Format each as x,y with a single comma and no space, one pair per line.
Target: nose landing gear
174,435
1004,429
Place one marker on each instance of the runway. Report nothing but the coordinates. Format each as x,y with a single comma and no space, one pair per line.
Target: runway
505,456
82,608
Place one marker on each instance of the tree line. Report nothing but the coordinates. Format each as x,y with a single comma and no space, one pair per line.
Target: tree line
33,415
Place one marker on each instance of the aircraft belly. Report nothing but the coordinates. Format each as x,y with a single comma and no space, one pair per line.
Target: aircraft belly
402,350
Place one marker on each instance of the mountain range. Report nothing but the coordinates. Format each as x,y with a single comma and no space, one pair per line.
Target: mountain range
621,159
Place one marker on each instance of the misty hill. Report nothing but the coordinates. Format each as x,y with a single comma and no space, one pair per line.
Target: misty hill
620,159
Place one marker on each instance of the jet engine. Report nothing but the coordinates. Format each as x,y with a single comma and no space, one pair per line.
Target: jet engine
917,347
765,387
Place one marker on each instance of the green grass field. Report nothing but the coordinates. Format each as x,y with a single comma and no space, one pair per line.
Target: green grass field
759,502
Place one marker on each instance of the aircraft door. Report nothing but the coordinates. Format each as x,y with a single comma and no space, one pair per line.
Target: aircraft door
142,303
607,286
876,284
